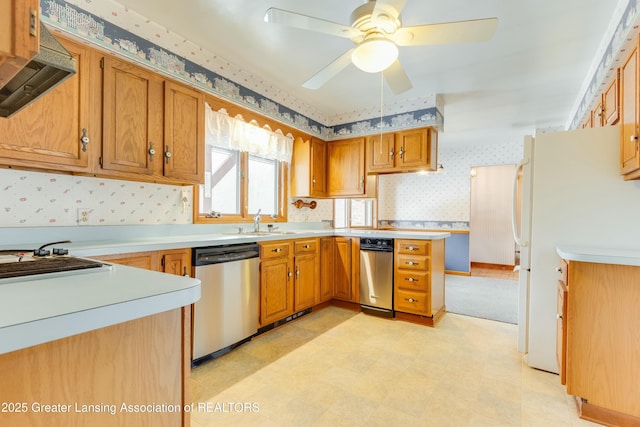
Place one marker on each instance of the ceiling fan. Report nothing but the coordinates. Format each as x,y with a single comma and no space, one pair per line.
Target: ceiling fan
376,30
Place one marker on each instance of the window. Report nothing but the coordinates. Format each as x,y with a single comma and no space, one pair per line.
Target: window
263,185
245,170
353,213
225,193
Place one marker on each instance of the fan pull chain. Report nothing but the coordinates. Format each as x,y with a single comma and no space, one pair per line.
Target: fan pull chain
381,101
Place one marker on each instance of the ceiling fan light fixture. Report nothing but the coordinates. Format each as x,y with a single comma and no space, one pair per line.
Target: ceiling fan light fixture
375,54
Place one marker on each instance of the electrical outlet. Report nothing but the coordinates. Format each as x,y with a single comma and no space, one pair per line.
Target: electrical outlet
84,215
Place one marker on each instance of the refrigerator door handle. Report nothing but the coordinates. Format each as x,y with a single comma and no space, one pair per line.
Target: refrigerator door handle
518,238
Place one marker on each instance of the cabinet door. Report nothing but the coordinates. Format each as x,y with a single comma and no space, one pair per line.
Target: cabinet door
346,167
597,115
342,269
611,101
46,134
306,277
276,290
145,260
412,149
177,262
183,134
318,168
327,251
132,118
561,332
629,113
380,152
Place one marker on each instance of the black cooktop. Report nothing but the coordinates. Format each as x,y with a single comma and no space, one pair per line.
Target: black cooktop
45,265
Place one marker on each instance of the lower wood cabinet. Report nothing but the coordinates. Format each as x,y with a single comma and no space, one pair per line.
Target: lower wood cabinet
276,286
603,340
419,278
344,287
173,261
289,278
144,361
327,259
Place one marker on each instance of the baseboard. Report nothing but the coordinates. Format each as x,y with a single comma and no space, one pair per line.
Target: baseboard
605,416
492,266
458,273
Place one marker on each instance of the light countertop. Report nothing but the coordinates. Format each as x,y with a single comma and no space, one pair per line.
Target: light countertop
600,255
48,308
120,246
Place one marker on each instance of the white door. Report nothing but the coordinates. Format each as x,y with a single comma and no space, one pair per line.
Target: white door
490,231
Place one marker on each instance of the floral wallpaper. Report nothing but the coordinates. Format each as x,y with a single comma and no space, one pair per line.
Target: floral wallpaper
41,199
120,30
439,200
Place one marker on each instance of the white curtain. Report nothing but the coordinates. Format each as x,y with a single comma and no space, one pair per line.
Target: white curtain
232,133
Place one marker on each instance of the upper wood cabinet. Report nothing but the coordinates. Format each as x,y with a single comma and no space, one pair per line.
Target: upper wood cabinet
346,174
629,158
151,126
183,133
47,134
611,101
309,168
597,115
132,118
405,151
19,38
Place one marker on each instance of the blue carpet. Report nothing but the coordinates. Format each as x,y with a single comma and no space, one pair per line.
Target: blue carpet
493,299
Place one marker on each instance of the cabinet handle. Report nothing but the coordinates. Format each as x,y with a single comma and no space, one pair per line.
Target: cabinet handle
84,140
151,151
297,271
411,263
362,181
411,248
184,271
401,152
410,279
411,300
277,250
559,316
307,246
167,154
558,269
391,154
288,273
313,182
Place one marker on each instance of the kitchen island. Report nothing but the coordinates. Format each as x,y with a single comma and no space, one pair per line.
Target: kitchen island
599,332
96,348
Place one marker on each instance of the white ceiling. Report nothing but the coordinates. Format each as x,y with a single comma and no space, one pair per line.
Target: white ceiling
528,76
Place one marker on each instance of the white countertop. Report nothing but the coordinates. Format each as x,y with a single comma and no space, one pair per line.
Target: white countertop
600,255
108,247
46,309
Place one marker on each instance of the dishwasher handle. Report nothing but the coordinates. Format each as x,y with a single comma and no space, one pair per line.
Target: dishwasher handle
217,258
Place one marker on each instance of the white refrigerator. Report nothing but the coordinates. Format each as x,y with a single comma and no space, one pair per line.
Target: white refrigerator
572,194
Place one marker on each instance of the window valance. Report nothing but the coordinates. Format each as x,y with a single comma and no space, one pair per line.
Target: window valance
222,130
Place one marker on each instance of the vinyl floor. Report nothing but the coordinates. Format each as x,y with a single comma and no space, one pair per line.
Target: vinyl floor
335,367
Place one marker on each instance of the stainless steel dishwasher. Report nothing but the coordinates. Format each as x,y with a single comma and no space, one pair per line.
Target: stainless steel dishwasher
376,276
227,313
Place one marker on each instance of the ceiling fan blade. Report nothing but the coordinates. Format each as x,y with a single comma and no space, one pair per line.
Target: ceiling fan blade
477,30
304,22
397,78
328,72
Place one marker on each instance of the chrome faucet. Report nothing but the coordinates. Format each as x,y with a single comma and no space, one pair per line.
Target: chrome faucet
256,221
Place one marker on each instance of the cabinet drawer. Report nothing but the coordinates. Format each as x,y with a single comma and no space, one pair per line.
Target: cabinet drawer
563,271
412,262
274,250
412,280
412,302
305,246
414,247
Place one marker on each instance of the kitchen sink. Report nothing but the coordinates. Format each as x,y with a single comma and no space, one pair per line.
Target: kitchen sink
264,233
